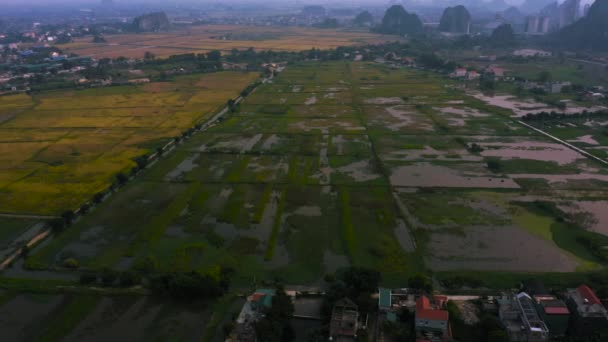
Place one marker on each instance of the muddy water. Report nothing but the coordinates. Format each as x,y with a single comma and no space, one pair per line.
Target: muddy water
563,178
21,312
360,171
586,139
428,175
384,101
184,167
324,168
531,150
333,262
463,112
311,100
597,209
528,106
497,248
430,153
270,142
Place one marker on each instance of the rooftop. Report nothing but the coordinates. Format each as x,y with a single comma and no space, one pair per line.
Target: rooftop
587,303
424,310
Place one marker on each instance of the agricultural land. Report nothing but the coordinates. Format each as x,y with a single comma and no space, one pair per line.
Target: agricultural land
339,163
57,152
225,38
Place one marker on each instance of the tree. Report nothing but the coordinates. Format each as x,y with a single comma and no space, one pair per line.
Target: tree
493,164
57,225
397,20
98,197
68,216
149,56
121,178
420,282
503,35
544,76
214,55
276,326
99,40
487,82
108,277
87,278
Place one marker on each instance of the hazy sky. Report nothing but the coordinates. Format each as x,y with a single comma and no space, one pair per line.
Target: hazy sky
169,2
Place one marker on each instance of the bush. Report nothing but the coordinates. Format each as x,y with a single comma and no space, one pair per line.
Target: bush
71,263
108,277
87,278
85,208
128,279
186,285
68,216
494,164
98,197
57,225
121,178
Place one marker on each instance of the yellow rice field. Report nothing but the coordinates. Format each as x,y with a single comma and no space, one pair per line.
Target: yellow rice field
59,148
200,39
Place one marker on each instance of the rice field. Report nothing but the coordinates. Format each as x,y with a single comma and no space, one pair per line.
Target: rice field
201,39
373,167
59,148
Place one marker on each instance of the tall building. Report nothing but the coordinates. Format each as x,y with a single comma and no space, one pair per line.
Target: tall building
569,12
537,24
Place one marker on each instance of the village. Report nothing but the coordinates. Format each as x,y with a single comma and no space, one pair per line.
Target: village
531,313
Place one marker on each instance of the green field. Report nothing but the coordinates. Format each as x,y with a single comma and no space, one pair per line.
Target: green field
338,164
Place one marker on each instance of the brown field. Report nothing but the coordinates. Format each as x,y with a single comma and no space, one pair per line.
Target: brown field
200,39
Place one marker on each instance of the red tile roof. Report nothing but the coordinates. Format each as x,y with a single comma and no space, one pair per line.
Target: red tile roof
588,294
555,310
257,296
424,310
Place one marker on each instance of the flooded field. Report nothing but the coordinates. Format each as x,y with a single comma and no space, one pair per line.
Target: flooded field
33,317
387,169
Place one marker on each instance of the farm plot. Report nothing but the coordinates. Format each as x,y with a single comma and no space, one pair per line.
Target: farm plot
100,318
57,152
379,181
201,39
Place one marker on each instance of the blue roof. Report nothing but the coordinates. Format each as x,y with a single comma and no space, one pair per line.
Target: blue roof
384,300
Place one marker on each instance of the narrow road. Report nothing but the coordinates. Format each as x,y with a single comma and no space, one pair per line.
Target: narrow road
565,143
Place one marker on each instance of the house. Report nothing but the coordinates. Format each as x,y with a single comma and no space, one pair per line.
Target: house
531,53
521,320
496,71
234,66
555,314
459,73
252,311
139,81
556,87
431,321
588,314
593,97
409,61
472,75
344,321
